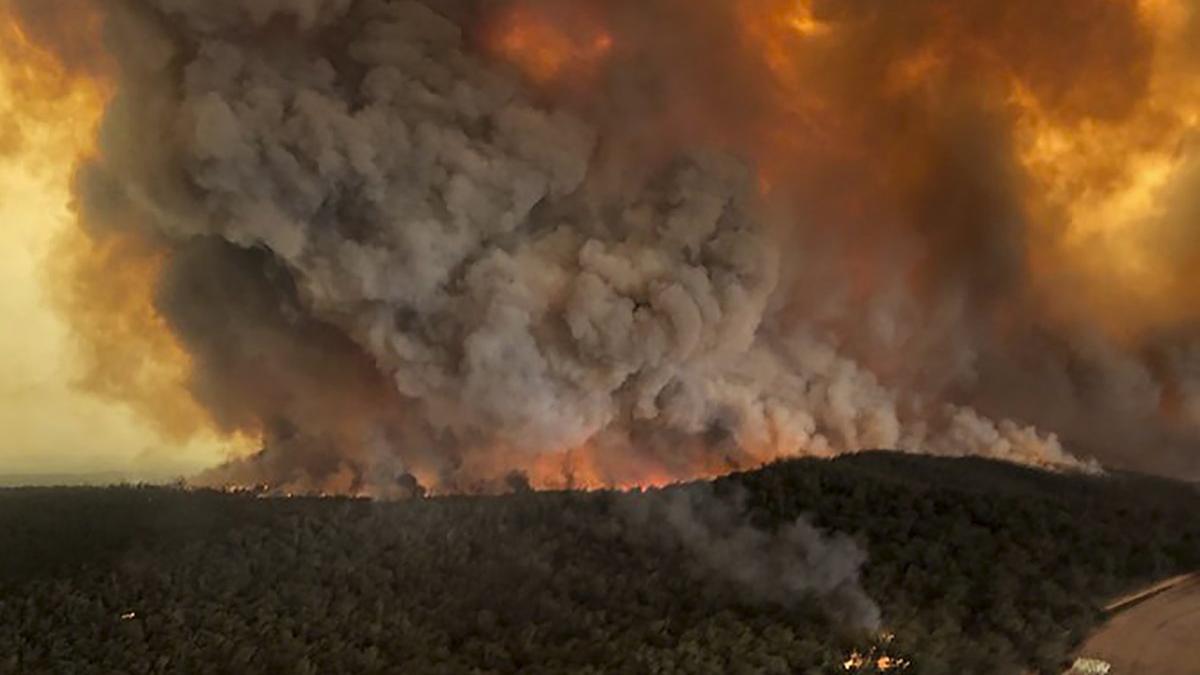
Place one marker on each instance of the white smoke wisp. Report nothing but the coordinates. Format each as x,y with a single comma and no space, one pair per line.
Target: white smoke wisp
394,260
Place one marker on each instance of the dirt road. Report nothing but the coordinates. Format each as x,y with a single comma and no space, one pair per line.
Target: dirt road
1159,636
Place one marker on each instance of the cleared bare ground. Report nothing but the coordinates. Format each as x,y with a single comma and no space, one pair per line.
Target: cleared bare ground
1159,636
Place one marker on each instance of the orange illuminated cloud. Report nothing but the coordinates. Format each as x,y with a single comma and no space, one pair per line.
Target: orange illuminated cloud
92,343
547,46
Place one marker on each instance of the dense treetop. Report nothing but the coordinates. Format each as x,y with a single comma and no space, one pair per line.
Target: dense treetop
976,566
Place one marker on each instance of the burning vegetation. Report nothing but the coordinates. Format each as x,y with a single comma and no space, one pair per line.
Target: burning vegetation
402,248
978,567
624,243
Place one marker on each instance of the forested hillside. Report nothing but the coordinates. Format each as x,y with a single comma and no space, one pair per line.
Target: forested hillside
974,566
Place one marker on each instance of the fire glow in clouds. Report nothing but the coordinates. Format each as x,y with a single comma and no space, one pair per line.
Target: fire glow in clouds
616,243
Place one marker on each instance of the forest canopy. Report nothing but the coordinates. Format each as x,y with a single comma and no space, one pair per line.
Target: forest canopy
972,566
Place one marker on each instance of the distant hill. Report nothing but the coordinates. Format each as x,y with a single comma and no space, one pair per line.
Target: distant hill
976,567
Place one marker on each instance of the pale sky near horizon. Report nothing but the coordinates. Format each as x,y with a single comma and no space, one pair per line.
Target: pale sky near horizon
47,424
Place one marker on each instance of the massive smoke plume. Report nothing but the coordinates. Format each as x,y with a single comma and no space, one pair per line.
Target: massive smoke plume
628,242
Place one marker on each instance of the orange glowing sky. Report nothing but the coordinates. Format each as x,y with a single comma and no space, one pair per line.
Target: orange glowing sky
1120,191
49,422
547,48
1109,197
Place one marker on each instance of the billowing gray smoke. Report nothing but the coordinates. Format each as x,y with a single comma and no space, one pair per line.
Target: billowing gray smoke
781,567
390,257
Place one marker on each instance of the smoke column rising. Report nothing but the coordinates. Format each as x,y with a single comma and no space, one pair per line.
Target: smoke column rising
613,243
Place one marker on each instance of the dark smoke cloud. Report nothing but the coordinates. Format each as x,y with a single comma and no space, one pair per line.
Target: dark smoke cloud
390,256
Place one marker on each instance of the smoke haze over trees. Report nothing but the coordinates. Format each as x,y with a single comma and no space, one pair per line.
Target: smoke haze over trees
976,566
